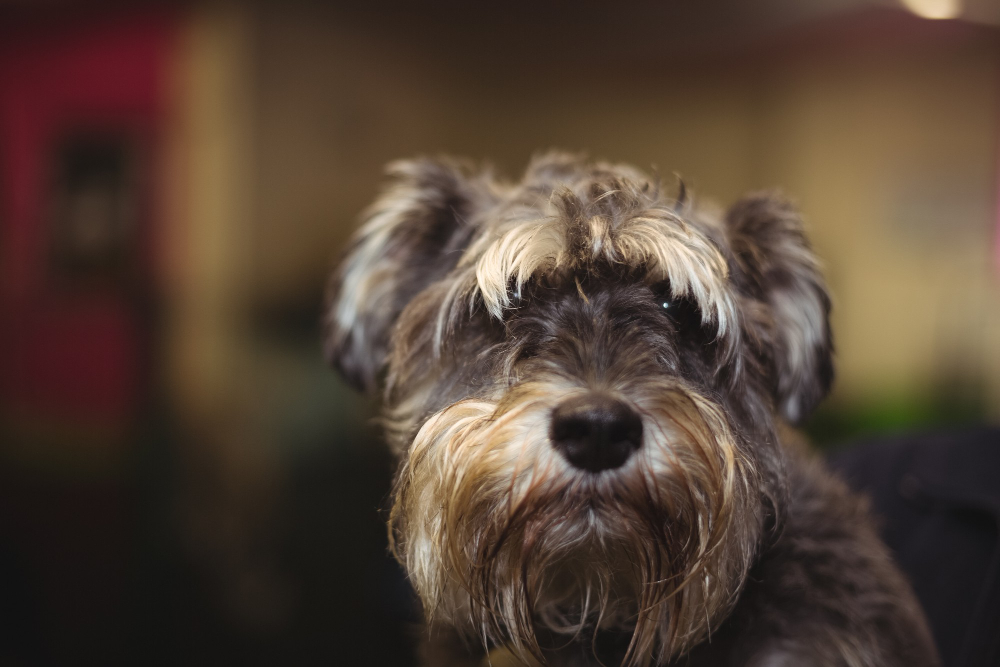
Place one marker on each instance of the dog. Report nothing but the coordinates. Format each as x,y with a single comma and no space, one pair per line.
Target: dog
591,387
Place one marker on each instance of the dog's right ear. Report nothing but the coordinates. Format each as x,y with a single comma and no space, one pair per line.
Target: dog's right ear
412,236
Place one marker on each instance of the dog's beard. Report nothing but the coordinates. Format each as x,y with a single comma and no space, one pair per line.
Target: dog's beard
501,536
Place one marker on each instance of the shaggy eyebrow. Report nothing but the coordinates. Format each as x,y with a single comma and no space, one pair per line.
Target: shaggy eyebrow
661,243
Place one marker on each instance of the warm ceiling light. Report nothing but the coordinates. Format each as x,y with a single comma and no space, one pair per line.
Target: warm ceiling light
934,9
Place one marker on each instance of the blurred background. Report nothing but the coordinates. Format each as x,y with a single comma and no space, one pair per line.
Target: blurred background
183,481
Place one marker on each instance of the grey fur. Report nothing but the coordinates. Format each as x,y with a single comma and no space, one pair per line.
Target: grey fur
721,541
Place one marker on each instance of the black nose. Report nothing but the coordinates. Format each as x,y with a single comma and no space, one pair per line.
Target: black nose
595,432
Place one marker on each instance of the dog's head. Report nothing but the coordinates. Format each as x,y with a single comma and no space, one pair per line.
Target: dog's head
583,378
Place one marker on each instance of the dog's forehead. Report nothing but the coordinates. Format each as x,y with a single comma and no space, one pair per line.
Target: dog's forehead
566,222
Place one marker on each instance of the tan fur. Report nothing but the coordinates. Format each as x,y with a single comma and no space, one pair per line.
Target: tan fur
481,475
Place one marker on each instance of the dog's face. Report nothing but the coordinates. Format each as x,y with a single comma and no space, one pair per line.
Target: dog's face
583,379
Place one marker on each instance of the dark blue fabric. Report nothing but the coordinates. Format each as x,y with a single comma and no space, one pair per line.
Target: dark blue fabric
937,497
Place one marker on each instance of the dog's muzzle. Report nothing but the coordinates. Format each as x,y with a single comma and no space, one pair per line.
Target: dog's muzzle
595,432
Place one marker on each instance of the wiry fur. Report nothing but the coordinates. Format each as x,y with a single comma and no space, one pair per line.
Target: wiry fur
483,306
530,560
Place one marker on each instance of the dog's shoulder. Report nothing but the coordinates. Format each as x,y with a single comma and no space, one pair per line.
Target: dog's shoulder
825,585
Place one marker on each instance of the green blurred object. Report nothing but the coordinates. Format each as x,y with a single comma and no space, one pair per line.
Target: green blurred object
841,421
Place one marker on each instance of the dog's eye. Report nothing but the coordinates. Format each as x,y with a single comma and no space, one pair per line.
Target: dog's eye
663,296
525,352
685,314
681,310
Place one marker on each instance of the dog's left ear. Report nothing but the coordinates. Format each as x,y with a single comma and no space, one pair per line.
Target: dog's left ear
413,235
769,244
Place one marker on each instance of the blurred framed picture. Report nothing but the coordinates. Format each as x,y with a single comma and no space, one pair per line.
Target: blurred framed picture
95,204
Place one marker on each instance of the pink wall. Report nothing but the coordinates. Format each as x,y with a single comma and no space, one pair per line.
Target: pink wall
70,354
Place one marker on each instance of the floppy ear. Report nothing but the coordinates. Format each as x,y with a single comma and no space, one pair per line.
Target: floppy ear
772,251
412,235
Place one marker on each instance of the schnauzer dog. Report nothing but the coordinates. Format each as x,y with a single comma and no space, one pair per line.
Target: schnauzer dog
589,384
